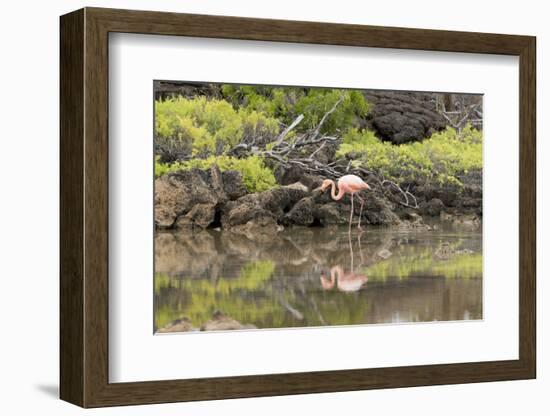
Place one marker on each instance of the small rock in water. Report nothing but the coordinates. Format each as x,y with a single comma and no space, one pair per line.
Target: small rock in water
444,216
468,220
385,253
222,322
416,224
445,251
179,325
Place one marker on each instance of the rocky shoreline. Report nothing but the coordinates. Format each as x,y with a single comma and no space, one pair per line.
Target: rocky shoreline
218,322
211,198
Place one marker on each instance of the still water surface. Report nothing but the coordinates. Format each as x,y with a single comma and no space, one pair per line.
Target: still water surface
319,276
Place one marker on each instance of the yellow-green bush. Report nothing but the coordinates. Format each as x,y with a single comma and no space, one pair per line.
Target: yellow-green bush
441,157
256,175
286,103
211,126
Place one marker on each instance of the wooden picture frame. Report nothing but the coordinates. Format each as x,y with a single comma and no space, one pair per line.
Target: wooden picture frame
84,207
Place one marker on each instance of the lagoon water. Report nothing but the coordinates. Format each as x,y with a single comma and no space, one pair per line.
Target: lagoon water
304,277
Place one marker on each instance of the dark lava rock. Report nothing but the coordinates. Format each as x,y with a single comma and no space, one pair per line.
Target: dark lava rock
401,117
281,200
201,215
329,214
233,184
193,197
301,213
296,174
217,184
378,211
268,207
432,208
239,213
176,193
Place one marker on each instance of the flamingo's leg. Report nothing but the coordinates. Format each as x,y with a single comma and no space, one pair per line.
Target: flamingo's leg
360,211
351,213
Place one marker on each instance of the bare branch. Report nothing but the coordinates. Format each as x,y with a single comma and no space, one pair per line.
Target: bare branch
406,194
327,114
285,132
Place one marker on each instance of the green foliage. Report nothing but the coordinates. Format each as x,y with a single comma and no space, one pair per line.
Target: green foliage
256,175
410,263
162,168
206,128
318,101
207,298
210,126
286,103
440,158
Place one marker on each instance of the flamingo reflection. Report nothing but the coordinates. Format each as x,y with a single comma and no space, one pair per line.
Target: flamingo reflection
345,281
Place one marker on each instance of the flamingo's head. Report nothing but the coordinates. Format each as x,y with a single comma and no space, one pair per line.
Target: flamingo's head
326,184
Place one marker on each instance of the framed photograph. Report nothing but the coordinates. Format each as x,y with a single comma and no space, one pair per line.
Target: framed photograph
255,207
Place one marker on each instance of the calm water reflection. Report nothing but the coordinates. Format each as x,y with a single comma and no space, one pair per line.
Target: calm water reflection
319,276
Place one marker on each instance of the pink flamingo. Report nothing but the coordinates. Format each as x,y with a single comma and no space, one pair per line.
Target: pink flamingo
347,184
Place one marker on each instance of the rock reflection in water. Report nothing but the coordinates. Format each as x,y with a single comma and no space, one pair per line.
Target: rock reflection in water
317,276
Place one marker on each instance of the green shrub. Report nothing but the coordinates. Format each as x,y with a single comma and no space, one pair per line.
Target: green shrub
286,103
441,157
210,126
256,176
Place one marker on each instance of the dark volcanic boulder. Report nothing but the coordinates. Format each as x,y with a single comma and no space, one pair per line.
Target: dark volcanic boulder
245,216
465,196
267,207
330,213
294,174
241,212
432,208
471,199
301,213
233,184
176,193
378,211
447,193
201,215
281,200
193,197
401,117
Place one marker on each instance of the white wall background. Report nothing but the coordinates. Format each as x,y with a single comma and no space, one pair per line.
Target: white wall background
29,207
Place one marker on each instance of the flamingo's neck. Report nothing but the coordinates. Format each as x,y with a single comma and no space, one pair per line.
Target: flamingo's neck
333,192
